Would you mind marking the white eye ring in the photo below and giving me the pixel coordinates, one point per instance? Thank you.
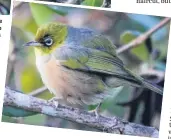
(48, 41)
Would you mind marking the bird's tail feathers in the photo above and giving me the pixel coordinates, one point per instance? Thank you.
(153, 87)
(146, 84)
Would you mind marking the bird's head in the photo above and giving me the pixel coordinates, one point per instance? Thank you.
(48, 37)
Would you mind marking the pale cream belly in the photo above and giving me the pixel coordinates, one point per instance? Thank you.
(72, 86)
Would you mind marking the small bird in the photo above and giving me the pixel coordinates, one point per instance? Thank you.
(81, 66)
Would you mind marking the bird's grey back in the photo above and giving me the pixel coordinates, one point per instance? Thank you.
(77, 36)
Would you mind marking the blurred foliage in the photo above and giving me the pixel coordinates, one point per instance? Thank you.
(94, 3)
(16, 112)
(5, 7)
(129, 36)
(121, 28)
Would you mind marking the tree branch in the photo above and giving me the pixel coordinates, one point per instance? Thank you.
(104, 124)
(143, 36)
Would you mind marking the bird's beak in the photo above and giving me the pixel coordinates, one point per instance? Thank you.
(33, 43)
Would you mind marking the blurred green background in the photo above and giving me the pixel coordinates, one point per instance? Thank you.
(148, 60)
(95, 3)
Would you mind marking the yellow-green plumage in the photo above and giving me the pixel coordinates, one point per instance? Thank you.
(59, 37)
(79, 65)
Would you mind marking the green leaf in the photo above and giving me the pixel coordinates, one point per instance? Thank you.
(8, 119)
(29, 74)
(38, 119)
(41, 13)
(45, 95)
(110, 103)
(107, 104)
(30, 79)
(16, 112)
(141, 50)
(96, 3)
(31, 26)
(60, 10)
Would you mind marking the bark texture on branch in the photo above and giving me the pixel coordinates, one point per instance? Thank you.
(104, 124)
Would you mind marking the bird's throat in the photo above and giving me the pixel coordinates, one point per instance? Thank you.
(38, 52)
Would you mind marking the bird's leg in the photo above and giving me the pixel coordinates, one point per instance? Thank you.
(96, 110)
(54, 101)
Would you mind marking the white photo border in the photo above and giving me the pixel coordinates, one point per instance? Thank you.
(10, 130)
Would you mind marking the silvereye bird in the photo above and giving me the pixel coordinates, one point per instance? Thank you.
(79, 65)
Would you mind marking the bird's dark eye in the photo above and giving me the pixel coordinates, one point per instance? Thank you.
(48, 41)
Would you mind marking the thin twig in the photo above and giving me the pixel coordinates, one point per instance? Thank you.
(38, 91)
(104, 124)
(144, 36)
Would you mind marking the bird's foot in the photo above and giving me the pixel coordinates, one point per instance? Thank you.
(96, 111)
(54, 101)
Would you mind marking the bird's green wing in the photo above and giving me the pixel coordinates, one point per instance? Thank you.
(98, 56)
(91, 60)
(102, 43)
